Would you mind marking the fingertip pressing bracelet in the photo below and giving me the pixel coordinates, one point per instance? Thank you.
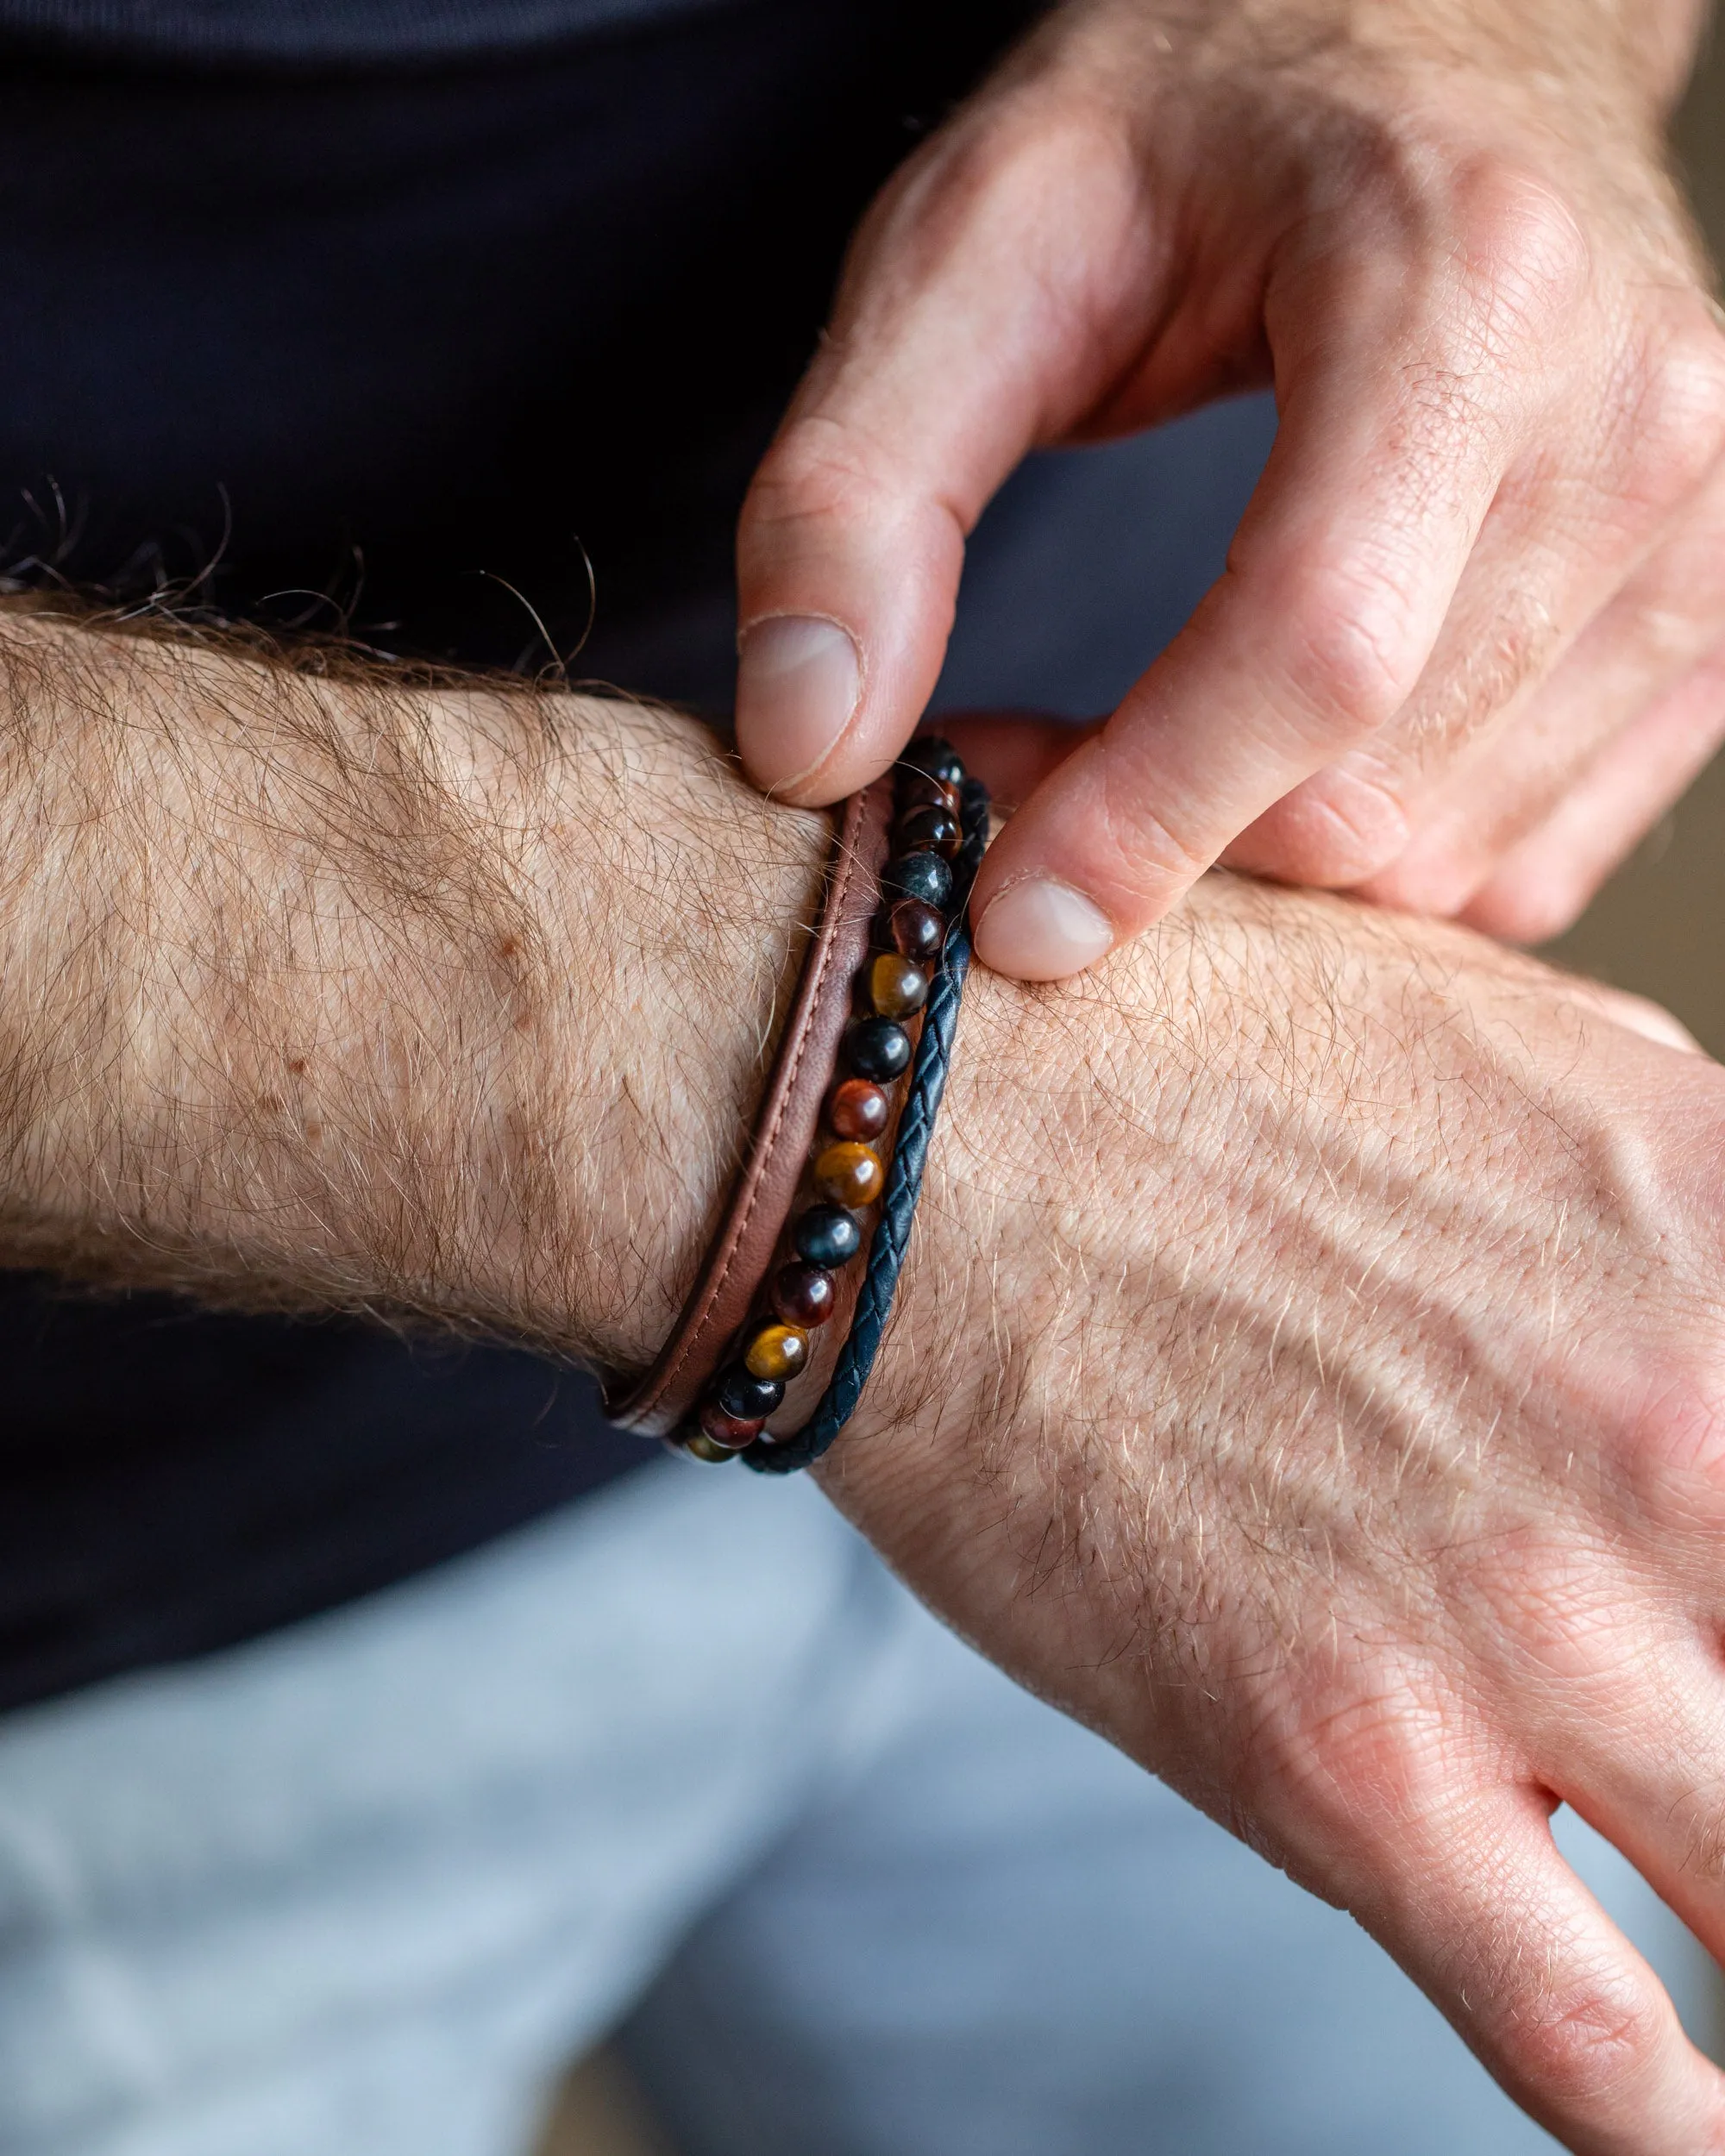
(775, 1343)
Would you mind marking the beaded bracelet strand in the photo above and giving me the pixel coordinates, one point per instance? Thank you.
(917, 969)
(904, 1178)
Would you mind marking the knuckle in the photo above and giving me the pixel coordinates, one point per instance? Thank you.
(1353, 647)
(1367, 1749)
(1679, 431)
(1589, 2038)
(1558, 1607)
(821, 469)
(1672, 1449)
(1522, 249)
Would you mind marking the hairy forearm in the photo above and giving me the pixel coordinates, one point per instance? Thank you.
(327, 992)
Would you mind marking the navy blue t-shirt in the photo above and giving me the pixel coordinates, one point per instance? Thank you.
(369, 303)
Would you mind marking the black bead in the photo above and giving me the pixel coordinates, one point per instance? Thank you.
(877, 1047)
(924, 876)
(744, 1396)
(827, 1235)
(973, 799)
(929, 831)
(938, 758)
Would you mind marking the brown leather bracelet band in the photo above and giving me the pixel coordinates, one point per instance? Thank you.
(661, 1399)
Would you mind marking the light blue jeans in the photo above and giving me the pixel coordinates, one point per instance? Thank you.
(685, 1756)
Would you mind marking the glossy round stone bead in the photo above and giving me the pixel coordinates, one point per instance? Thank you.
(928, 753)
(877, 1047)
(897, 986)
(916, 930)
(826, 1235)
(849, 1173)
(777, 1350)
(924, 876)
(804, 1295)
(732, 1431)
(700, 1446)
(929, 831)
(858, 1108)
(744, 1397)
(917, 790)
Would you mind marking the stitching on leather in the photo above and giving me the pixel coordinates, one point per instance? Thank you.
(827, 935)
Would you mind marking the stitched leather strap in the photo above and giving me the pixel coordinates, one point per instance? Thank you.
(660, 1401)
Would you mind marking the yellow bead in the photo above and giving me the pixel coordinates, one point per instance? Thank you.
(896, 986)
(777, 1351)
(703, 1448)
(850, 1174)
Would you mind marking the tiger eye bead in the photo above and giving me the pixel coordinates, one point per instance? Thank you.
(929, 831)
(778, 1351)
(804, 1295)
(896, 986)
(826, 1235)
(925, 876)
(700, 1446)
(744, 1397)
(850, 1175)
(877, 1047)
(917, 790)
(731, 1431)
(916, 930)
(858, 1109)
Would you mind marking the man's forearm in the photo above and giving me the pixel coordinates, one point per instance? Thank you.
(327, 991)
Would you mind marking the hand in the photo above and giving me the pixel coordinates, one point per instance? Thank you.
(1472, 639)
(1311, 1373)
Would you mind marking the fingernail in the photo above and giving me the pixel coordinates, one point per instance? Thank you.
(797, 683)
(1039, 930)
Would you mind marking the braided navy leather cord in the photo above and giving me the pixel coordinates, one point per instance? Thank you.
(904, 1177)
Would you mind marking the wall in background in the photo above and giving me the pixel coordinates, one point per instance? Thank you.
(1660, 926)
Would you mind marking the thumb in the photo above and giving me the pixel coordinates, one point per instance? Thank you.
(955, 347)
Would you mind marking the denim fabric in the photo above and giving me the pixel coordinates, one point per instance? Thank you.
(358, 1889)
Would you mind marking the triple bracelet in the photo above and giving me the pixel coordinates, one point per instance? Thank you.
(773, 1347)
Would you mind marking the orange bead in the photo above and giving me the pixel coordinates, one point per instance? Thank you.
(777, 1351)
(858, 1108)
(849, 1175)
(701, 1447)
(731, 1432)
(896, 986)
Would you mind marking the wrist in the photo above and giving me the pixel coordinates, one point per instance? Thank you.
(677, 906)
(340, 993)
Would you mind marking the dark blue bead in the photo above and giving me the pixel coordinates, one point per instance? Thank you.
(877, 1047)
(746, 1397)
(924, 876)
(938, 758)
(827, 1235)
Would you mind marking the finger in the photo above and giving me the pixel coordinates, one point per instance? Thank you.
(994, 293)
(1012, 752)
(1392, 447)
(1600, 566)
(1542, 884)
(1481, 1909)
(1664, 621)
(1651, 1783)
(1635, 1014)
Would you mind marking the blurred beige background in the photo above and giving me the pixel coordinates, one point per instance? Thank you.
(1658, 927)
